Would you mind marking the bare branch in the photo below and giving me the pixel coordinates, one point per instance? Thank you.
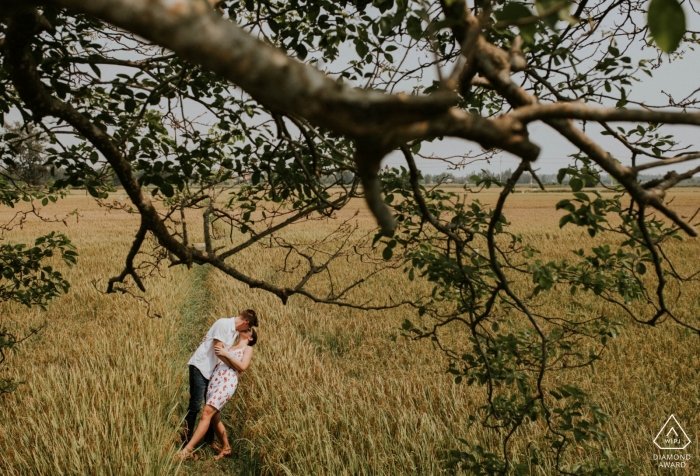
(207, 229)
(582, 111)
(129, 269)
(668, 161)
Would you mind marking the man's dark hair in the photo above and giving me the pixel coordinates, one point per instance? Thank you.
(250, 317)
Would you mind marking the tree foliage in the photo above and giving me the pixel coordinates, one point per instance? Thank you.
(27, 276)
(27, 162)
(264, 115)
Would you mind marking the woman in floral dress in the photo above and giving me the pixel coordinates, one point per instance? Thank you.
(222, 386)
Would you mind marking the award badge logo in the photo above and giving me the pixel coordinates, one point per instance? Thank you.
(672, 437)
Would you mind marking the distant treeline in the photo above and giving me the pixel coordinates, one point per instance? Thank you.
(526, 178)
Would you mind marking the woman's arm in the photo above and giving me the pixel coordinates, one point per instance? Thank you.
(221, 353)
(241, 365)
(223, 356)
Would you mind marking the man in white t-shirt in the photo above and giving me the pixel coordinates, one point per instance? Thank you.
(201, 365)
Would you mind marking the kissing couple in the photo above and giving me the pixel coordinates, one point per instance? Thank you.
(224, 354)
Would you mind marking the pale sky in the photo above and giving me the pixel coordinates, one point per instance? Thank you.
(679, 78)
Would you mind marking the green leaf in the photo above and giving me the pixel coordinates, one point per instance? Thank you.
(361, 48)
(414, 28)
(576, 184)
(565, 204)
(301, 51)
(387, 253)
(641, 269)
(560, 175)
(666, 24)
(95, 69)
(167, 190)
(528, 32)
(130, 105)
(513, 11)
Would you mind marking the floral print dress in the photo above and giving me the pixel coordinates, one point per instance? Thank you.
(223, 382)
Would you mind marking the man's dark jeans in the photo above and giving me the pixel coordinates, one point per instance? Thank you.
(198, 390)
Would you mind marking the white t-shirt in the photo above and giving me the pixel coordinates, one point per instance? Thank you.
(204, 357)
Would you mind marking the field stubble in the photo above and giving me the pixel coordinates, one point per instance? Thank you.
(331, 390)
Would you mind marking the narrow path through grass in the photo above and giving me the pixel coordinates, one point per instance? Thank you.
(197, 319)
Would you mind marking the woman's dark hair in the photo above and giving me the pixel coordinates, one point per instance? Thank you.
(253, 337)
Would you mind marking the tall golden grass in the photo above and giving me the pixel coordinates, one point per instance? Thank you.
(331, 390)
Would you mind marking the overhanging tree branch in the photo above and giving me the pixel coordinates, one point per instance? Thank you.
(191, 29)
(582, 111)
(20, 62)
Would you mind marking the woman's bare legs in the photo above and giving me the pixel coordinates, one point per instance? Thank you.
(207, 415)
(220, 431)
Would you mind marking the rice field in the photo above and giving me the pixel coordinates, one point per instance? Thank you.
(330, 391)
